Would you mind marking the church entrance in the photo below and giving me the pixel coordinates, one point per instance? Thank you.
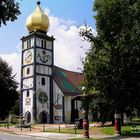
(27, 117)
(43, 117)
(74, 111)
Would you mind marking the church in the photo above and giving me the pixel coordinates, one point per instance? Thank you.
(47, 91)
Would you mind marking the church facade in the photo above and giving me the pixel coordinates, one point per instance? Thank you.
(47, 91)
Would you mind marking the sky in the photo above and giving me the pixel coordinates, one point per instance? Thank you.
(66, 17)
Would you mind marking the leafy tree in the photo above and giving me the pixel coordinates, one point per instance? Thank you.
(15, 108)
(9, 10)
(112, 64)
(8, 86)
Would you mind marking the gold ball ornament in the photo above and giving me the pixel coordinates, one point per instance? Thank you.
(38, 20)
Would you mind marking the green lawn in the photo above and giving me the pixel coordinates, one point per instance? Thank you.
(108, 130)
(125, 130)
(66, 130)
(4, 124)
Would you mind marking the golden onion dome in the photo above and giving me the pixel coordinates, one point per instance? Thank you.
(38, 20)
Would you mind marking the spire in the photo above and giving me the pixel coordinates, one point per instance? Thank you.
(38, 20)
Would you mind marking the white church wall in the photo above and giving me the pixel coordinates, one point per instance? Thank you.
(42, 87)
(43, 69)
(28, 71)
(57, 99)
(68, 108)
(28, 102)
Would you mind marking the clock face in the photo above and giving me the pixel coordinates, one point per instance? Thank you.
(44, 56)
(28, 57)
(28, 83)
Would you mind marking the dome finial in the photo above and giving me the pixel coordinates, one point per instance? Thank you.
(38, 20)
(38, 3)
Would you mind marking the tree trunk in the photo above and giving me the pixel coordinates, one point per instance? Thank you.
(113, 121)
(122, 119)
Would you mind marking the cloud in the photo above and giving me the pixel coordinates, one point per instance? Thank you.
(68, 46)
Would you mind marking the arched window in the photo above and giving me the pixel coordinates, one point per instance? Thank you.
(27, 95)
(28, 70)
(43, 117)
(28, 117)
(43, 81)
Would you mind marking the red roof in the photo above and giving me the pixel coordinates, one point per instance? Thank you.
(68, 81)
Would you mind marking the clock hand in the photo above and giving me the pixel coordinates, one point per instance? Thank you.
(29, 55)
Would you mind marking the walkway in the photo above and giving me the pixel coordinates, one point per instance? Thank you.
(37, 131)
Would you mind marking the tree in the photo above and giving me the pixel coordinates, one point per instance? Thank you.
(112, 64)
(9, 10)
(8, 86)
(15, 108)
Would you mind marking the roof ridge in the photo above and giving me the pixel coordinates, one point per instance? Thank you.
(68, 70)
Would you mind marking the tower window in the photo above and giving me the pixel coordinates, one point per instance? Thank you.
(49, 45)
(38, 42)
(32, 42)
(28, 43)
(27, 95)
(28, 70)
(43, 81)
(25, 45)
(43, 43)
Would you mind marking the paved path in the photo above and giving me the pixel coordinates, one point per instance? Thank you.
(37, 133)
(19, 137)
(57, 136)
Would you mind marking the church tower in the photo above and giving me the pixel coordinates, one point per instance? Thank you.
(36, 70)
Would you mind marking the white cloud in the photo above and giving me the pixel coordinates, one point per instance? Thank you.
(67, 46)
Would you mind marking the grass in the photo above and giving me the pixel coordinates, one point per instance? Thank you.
(125, 130)
(66, 131)
(5, 124)
(108, 130)
(136, 119)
